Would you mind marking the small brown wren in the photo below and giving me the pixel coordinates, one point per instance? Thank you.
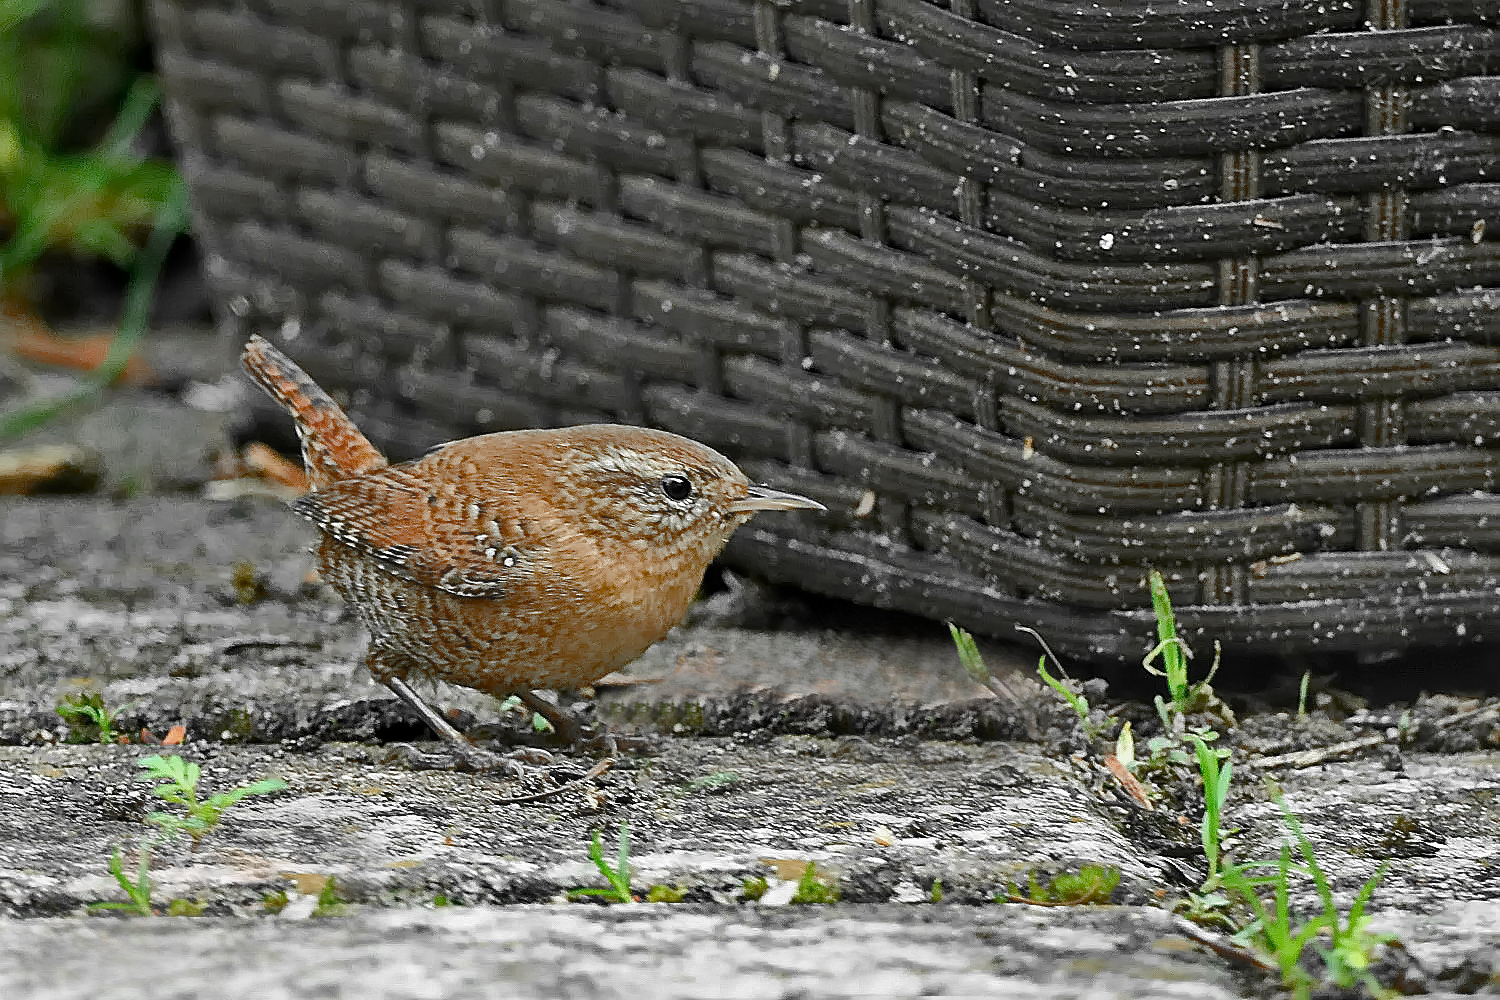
(512, 561)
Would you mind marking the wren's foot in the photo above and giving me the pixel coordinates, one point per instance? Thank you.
(589, 739)
(461, 754)
(518, 765)
(521, 764)
(607, 744)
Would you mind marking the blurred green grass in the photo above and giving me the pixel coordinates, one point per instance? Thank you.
(73, 101)
(75, 95)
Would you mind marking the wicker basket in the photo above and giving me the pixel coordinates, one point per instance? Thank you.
(1034, 294)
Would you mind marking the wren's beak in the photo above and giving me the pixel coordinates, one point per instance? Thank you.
(765, 498)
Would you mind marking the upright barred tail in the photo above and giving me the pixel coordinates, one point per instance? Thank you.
(332, 447)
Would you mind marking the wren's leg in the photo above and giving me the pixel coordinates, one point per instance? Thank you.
(467, 756)
(567, 727)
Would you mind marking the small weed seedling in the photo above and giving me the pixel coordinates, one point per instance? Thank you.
(1074, 699)
(330, 903)
(1345, 944)
(137, 890)
(618, 876)
(1090, 884)
(1215, 768)
(1178, 745)
(813, 888)
(88, 719)
(753, 888)
(1186, 698)
(1213, 763)
(179, 786)
(973, 664)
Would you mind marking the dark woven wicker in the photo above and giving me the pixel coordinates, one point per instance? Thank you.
(1034, 294)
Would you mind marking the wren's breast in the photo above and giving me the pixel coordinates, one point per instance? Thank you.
(548, 630)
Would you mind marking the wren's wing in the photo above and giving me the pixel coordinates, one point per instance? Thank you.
(393, 518)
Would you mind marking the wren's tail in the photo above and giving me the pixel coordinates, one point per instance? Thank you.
(332, 447)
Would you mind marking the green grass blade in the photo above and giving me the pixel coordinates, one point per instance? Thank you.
(1309, 857)
(1366, 893)
(171, 220)
(968, 654)
(621, 877)
(134, 112)
(1170, 647)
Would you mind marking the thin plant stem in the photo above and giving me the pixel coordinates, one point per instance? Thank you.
(170, 222)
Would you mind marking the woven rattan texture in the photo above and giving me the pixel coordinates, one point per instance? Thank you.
(1034, 294)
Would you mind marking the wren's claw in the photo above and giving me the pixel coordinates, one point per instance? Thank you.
(519, 765)
(461, 754)
(589, 739)
(607, 744)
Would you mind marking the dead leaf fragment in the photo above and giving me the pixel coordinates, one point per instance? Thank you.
(307, 883)
(1127, 781)
(57, 468)
(787, 869)
(263, 461)
(258, 470)
(32, 340)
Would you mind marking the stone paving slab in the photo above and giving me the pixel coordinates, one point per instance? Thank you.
(138, 600)
(588, 952)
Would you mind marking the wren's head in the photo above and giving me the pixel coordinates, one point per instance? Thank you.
(657, 490)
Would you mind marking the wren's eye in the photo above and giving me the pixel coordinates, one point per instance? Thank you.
(677, 488)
